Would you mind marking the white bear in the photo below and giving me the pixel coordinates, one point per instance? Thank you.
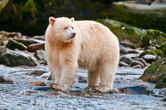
(86, 44)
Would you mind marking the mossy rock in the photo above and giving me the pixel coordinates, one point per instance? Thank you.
(12, 44)
(128, 44)
(142, 18)
(123, 31)
(126, 60)
(16, 58)
(151, 52)
(163, 47)
(162, 82)
(26, 42)
(154, 37)
(155, 71)
(159, 52)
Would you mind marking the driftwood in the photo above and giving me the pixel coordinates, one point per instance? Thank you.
(34, 47)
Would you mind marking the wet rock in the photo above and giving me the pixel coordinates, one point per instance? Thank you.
(164, 91)
(127, 44)
(135, 62)
(34, 47)
(44, 62)
(132, 55)
(125, 50)
(155, 73)
(142, 61)
(50, 77)
(17, 58)
(38, 83)
(37, 41)
(164, 99)
(149, 47)
(82, 79)
(137, 51)
(142, 89)
(36, 73)
(12, 44)
(137, 66)
(39, 37)
(13, 34)
(126, 60)
(40, 54)
(2, 49)
(123, 64)
(150, 58)
(147, 52)
(5, 81)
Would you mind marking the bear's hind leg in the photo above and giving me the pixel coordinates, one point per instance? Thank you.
(107, 73)
(93, 78)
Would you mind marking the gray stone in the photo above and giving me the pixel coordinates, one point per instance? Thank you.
(142, 61)
(150, 58)
(17, 58)
(126, 60)
(125, 50)
(39, 54)
(135, 62)
(123, 64)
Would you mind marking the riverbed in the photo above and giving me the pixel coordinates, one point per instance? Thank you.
(21, 96)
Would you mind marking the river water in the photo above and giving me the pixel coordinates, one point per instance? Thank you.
(20, 96)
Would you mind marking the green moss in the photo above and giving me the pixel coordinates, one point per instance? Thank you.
(123, 31)
(155, 72)
(125, 59)
(158, 52)
(26, 42)
(163, 47)
(154, 37)
(147, 52)
(12, 44)
(146, 19)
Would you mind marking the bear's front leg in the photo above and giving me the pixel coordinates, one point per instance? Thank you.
(67, 73)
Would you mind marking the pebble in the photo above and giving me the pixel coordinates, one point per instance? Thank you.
(82, 79)
(149, 58)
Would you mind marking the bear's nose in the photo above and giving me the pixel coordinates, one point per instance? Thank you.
(73, 35)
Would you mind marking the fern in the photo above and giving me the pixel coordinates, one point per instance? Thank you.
(3, 3)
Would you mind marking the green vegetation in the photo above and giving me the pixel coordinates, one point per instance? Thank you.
(146, 19)
(30, 17)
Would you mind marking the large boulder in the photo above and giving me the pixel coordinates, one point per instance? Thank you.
(156, 73)
(17, 58)
(124, 31)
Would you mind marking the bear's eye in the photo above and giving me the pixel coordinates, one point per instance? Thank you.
(66, 27)
(72, 27)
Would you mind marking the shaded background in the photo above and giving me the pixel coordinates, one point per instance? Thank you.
(30, 17)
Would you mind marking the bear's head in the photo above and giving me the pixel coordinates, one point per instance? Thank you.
(63, 29)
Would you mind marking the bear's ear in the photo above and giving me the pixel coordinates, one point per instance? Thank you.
(52, 20)
(72, 19)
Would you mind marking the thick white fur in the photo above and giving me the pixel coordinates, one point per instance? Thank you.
(94, 48)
